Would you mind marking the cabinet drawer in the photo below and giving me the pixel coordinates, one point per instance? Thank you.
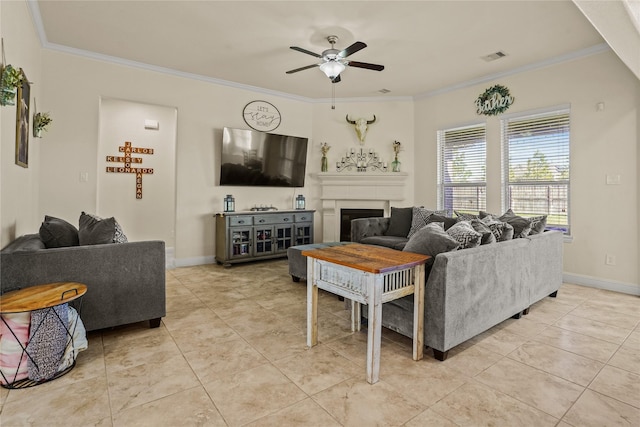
(304, 217)
(273, 219)
(240, 220)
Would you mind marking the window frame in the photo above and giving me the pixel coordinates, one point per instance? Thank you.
(441, 184)
(540, 115)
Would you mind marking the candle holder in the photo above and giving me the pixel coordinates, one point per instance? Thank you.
(361, 161)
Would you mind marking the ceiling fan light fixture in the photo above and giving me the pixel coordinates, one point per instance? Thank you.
(332, 69)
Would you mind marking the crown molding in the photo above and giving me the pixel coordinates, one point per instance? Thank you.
(37, 20)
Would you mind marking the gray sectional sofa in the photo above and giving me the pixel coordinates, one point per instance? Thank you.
(125, 281)
(468, 291)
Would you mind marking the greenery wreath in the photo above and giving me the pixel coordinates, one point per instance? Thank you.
(488, 94)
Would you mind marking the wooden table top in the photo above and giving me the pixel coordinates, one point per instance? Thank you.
(40, 296)
(372, 259)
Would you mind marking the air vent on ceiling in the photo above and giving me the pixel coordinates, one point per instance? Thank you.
(384, 91)
(493, 56)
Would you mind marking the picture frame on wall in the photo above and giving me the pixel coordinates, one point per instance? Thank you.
(22, 122)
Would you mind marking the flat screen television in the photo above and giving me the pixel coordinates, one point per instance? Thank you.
(252, 158)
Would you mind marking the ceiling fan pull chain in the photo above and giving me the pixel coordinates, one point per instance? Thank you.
(333, 97)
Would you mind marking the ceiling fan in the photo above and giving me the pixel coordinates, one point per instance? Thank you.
(334, 61)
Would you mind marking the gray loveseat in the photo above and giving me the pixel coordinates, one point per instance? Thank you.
(125, 281)
(471, 290)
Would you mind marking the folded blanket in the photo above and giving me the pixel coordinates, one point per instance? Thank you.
(76, 343)
(47, 341)
(13, 358)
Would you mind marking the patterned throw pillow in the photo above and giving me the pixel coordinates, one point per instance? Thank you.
(501, 230)
(538, 224)
(421, 218)
(521, 226)
(464, 233)
(465, 216)
(487, 235)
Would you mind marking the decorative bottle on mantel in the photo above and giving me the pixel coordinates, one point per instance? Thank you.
(395, 165)
(324, 164)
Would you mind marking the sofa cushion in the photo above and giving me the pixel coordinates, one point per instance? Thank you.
(431, 240)
(393, 242)
(28, 242)
(420, 218)
(464, 233)
(400, 222)
(487, 235)
(58, 233)
(96, 231)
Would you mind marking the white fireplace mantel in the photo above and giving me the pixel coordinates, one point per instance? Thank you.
(368, 190)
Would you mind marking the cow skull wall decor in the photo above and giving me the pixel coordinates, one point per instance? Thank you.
(361, 126)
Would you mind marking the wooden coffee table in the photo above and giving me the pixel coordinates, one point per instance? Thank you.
(369, 275)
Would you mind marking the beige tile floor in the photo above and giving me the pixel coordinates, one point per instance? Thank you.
(231, 351)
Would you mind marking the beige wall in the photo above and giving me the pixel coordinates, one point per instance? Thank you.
(604, 218)
(19, 186)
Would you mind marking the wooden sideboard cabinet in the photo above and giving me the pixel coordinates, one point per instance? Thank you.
(255, 235)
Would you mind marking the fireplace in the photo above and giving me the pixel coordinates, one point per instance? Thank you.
(346, 215)
(357, 191)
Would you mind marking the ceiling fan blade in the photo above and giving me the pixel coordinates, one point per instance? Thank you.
(308, 52)
(336, 79)
(302, 69)
(366, 65)
(352, 49)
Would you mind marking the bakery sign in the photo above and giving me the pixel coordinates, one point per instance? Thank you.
(495, 100)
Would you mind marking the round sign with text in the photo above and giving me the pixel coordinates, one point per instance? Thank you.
(261, 115)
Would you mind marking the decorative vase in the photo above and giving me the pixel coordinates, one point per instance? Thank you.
(395, 165)
(37, 133)
(324, 166)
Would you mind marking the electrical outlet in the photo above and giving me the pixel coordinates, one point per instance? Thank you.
(84, 177)
(610, 259)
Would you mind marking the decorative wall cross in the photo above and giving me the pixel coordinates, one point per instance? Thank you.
(127, 149)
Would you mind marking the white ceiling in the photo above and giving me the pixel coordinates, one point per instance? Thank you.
(425, 46)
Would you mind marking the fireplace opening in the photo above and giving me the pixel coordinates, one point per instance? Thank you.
(346, 215)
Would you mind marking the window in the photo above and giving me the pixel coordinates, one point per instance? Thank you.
(536, 166)
(462, 183)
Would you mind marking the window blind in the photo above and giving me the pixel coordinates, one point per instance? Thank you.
(462, 154)
(536, 166)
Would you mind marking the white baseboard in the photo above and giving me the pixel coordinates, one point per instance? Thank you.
(189, 262)
(594, 282)
(170, 258)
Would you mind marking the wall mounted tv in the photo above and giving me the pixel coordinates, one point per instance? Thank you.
(252, 158)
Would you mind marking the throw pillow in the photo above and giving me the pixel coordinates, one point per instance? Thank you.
(447, 221)
(465, 216)
(399, 222)
(96, 231)
(521, 226)
(501, 230)
(431, 240)
(58, 233)
(464, 233)
(538, 224)
(420, 217)
(487, 235)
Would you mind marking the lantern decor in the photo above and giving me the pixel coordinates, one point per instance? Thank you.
(300, 202)
(229, 203)
(324, 165)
